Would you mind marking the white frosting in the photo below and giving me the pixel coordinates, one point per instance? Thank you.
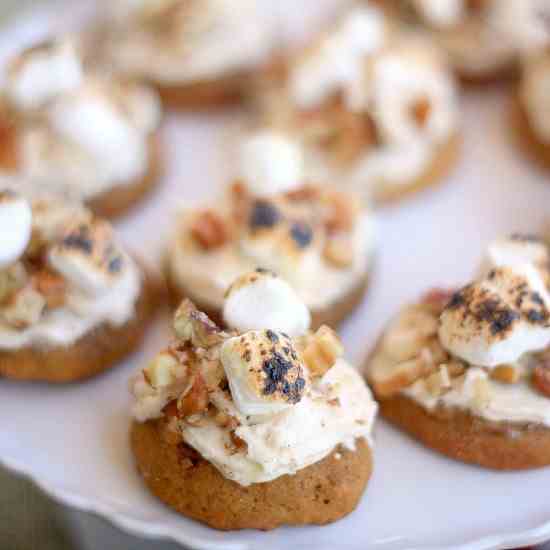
(506, 402)
(338, 59)
(229, 37)
(294, 438)
(15, 228)
(266, 303)
(534, 94)
(208, 275)
(80, 314)
(271, 163)
(44, 74)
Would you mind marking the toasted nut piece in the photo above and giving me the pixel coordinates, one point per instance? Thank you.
(439, 382)
(541, 379)
(192, 325)
(389, 378)
(455, 368)
(482, 393)
(224, 420)
(24, 308)
(322, 351)
(195, 401)
(162, 371)
(338, 251)
(341, 212)
(420, 111)
(239, 444)
(9, 155)
(52, 286)
(507, 374)
(209, 230)
(12, 278)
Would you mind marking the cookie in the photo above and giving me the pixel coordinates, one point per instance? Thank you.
(95, 352)
(462, 436)
(182, 479)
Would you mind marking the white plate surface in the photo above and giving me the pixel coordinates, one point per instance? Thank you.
(73, 440)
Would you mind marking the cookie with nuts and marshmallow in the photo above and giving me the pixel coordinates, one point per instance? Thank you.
(62, 273)
(481, 351)
(255, 400)
(319, 239)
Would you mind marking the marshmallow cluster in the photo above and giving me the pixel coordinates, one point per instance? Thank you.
(15, 227)
(504, 314)
(261, 300)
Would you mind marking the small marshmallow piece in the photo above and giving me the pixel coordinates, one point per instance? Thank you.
(87, 257)
(264, 372)
(41, 74)
(15, 227)
(261, 300)
(498, 319)
(271, 164)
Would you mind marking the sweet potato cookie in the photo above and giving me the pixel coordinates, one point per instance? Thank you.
(180, 477)
(468, 438)
(93, 353)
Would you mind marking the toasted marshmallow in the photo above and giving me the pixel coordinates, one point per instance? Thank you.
(15, 227)
(92, 120)
(271, 163)
(338, 58)
(262, 300)
(87, 257)
(441, 13)
(264, 372)
(498, 319)
(42, 73)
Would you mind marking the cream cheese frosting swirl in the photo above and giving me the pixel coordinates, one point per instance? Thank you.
(67, 279)
(79, 132)
(286, 406)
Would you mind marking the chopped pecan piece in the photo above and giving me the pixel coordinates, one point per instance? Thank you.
(541, 378)
(192, 325)
(322, 351)
(420, 111)
(209, 230)
(52, 286)
(195, 401)
(507, 374)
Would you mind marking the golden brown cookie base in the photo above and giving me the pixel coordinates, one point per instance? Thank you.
(468, 438)
(443, 162)
(95, 352)
(319, 494)
(120, 198)
(332, 315)
(227, 90)
(527, 140)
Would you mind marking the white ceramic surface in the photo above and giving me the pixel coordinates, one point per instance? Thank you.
(73, 440)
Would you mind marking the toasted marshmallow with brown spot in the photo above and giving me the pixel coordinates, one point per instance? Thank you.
(43, 72)
(15, 227)
(260, 299)
(498, 319)
(87, 256)
(264, 371)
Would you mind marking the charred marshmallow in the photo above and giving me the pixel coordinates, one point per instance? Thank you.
(264, 372)
(15, 227)
(262, 300)
(498, 319)
(87, 256)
